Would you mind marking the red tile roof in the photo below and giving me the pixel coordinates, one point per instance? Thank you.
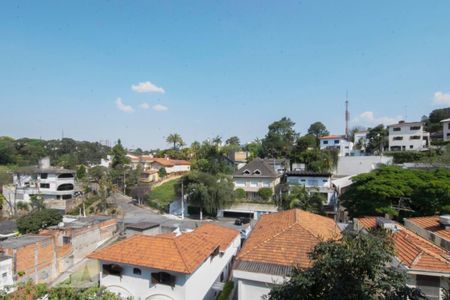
(412, 250)
(286, 238)
(332, 136)
(183, 253)
(431, 224)
(171, 162)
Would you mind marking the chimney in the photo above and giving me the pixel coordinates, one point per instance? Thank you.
(387, 224)
(444, 220)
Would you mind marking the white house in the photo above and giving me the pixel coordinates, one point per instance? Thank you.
(50, 183)
(445, 130)
(255, 175)
(172, 166)
(360, 141)
(338, 142)
(319, 182)
(187, 266)
(277, 243)
(6, 276)
(408, 136)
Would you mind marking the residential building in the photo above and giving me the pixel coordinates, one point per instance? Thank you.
(6, 273)
(277, 243)
(255, 175)
(407, 136)
(427, 265)
(149, 176)
(172, 166)
(42, 257)
(238, 158)
(436, 229)
(144, 161)
(360, 140)
(446, 130)
(336, 142)
(55, 185)
(253, 210)
(190, 265)
(279, 165)
(316, 182)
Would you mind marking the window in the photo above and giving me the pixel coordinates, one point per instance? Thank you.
(4, 275)
(44, 175)
(257, 172)
(163, 278)
(247, 172)
(67, 197)
(324, 180)
(411, 146)
(429, 285)
(398, 138)
(112, 269)
(45, 185)
(396, 129)
(66, 175)
(137, 271)
(448, 126)
(65, 187)
(414, 128)
(336, 141)
(67, 240)
(325, 142)
(414, 137)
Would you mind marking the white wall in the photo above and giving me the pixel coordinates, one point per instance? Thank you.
(446, 131)
(353, 165)
(345, 147)
(6, 268)
(406, 134)
(255, 285)
(254, 184)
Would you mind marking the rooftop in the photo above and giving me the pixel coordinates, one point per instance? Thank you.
(432, 224)
(285, 239)
(332, 136)
(141, 225)
(8, 226)
(36, 170)
(405, 123)
(413, 251)
(259, 168)
(182, 254)
(308, 173)
(445, 120)
(21, 241)
(171, 162)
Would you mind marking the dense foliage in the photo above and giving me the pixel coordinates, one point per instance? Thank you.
(265, 193)
(39, 219)
(65, 152)
(419, 192)
(300, 197)
(433, 121)
(280, 138)
(355, 267)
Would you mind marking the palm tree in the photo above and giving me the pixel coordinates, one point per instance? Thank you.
(175, 139)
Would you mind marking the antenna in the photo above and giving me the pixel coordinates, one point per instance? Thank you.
(347, 115)
(406, 113)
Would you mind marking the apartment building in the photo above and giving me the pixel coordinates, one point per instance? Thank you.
(336, 142)
(446, 130)
(408, 136)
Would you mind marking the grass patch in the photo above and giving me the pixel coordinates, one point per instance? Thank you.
(162, 195)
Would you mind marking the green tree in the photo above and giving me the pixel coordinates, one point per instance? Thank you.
(240, 193)
(37, 220)
(81, 172)
(265, 193)
(318, 129)
(354, 267)
(255, 149)
(299, 197)
(176, 140)
(234, 140)
(377, 139)
(119, 156)
(162, 173)
(280, 138)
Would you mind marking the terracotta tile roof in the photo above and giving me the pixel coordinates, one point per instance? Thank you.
(332, 136)
(413, 251)
(431, 224)
(223, 235)
(183, 253)
(285, 238)
(170, 162)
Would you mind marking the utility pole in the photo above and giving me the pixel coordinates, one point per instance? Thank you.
(182, 199)
(124, 185)
(347, 116)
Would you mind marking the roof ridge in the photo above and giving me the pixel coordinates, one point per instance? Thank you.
(181, 255)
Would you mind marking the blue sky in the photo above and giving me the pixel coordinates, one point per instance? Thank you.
(207, 68)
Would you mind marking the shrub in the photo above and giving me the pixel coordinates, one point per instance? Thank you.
(239, 194)
(265, 193)
(38, 220)
(227, 289)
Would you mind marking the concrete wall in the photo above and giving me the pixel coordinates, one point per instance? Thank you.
(353, 165)
(6, 267)
(446, 131)
(406, 134)
(248, 289)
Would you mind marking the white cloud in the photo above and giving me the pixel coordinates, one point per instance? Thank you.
(441, 98)
(123, 107)
(159, 107)
(144, 105)
(147, 87)
(368, 118)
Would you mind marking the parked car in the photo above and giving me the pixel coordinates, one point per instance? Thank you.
(241, 221)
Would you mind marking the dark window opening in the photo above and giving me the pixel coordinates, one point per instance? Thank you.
(67, 240)
(336, 141)
(325, 142)
(67, 197)
(65, 187)
(398, 138)
(44, 175)
(163, 278)
(396, 129)
(112, 269)
(415, 137)
(414, 128)
(44, 185)
(137, 271)
(66, 175)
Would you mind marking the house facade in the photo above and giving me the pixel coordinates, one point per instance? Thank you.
(409, 136)
(427, 265)
(255, 175)
(54, 185)
(275, 245)
(6, 273)
(446, 130)
(315, 182)
(191, 265)
(336, 142)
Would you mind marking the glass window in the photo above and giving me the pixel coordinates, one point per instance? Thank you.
(325, 142)
(44, 175)
(398, 138)
(414, 128)
(44, 185)
(396, 129)
(163, 278)
(137, 271)
(336, 141)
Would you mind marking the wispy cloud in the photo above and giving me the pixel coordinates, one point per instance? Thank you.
(441, 98)
(368, 118)
(159, 107)
(147, 87)
(144, 105)
(123, 107)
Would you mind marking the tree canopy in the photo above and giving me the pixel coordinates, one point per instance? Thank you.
(176, 140)
(377, 139)
(38, 219)
(424, 192)
(317, 129)
(354, 267)
(280, 138)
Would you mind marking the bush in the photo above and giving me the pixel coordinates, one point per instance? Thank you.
(265, 193)
(227, 289)
(240, 194)
(38, 220)
(406, 156)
